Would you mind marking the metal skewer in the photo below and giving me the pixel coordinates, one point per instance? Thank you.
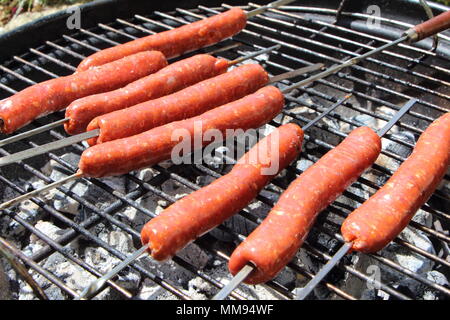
(305, 291)
(32, 152)
(28, 195)
(244, 272)
(71, 140)
(98, 283)
(271, 5)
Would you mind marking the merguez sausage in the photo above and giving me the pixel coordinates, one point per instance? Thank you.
(381, 218)
(153, 146)
(199, 212)
(177, 41)
(170, 79)
(276, 240)
(183, 104)
(55, 94)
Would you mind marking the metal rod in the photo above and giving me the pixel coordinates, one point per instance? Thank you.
(77, 146)
(305, 291)
(254, 54)
(343, 65)
(295, 73)
(28, 195)
(274, 4)
(19, 156)
(237, 279)
(326, 112)
(97, 284)
(396, 117)
(32, 132)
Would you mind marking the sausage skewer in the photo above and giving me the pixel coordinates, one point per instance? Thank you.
(167, 80)
(175, 42)
(180, 105)
(266, 251)
(385, 214)
(199, 212)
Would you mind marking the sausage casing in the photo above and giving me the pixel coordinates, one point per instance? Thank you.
(172, 78)
(153, 146)
(204, 209)
(186, 103)
(176, 41)
(55, 94)
(381, 218)
(276, 240)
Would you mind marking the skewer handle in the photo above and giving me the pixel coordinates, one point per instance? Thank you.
(430, 27)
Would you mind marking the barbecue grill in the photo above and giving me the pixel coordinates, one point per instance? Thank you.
(73, 235)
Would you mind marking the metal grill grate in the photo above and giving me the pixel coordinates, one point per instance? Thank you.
(307, 35)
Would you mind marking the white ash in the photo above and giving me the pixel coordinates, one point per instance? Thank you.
(146, 174)
(175, 189)
(150, 290)
(104, 261)
(303, 164)
(28, 211)
(116, 183)
(47, 228)
(438, 278)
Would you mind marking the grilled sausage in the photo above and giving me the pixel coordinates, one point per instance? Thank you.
(206, 208)
(276, 240)
(177, 41)
(153, 146)
(183, 104)
(381, 218)
(55, 94)
(170, 79)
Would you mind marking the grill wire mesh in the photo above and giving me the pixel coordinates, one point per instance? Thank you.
(380, 85)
